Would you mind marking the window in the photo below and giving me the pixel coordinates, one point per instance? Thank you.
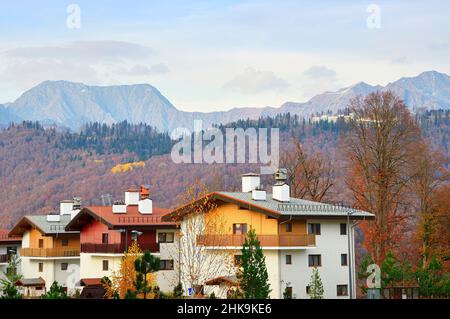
(105, 265)
(342, 290)
(307, 290)
(288, 259)
(65, 242)
(237, 260)
(343, 229)
(314, 229)
(105, 238)
(41, 243)
(41, 267)
(64, 266)
(289, 228)
(239, 229)
(166, 237)
(344, 260)
(166, 264)
(315, 260)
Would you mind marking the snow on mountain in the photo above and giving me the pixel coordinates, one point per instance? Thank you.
(71, 104)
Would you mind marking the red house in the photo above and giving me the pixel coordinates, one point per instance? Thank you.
(107, 231)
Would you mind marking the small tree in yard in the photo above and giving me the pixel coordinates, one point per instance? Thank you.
(56, 292)
(121, 283)
(178, 291)
(10, 277)
(146, 265)
(254, 277)
(315, 285)
(433, 282)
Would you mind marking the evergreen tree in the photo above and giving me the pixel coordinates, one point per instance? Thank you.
(395, 272)
(315, 285)
(178, 291)
(433, 281)
(56, 292)
(145, 265)
(254, 278)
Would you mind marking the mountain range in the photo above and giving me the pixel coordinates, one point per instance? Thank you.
(71, 105)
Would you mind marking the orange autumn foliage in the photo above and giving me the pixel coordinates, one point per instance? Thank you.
(123, 279)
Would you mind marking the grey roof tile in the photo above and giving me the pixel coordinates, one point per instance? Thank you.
(299, 207)
(51, 227)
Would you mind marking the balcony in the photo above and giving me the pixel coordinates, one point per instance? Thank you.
(51, 252)
(93, 248)
(301, 240)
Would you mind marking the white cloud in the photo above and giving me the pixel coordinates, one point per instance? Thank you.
(255, 81)
(320, 72)
(401, 60)
(86, 51)
(143, 70)
(29, 73)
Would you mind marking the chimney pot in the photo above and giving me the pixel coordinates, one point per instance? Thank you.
(250, 182)
(132, 197)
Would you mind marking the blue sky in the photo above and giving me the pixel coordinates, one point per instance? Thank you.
(215, 55)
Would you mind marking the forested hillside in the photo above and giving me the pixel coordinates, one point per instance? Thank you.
(39, 167)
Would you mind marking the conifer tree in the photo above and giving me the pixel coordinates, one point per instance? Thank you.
(315, 285)
(254, 278)
(145, 265)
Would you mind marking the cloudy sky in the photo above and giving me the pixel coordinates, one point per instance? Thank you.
(215, 55)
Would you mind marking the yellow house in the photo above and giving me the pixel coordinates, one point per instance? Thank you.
(296, 235)
(48, 252)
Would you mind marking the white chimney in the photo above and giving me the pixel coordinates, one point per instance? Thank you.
(119, 208)
(280, 190)
(258, 194)
(65, 207)
(132, 197)
(145, 206)
(250, 182)
(53, 218)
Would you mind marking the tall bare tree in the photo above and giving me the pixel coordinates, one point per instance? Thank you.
(310, 176)
(200, 254)
(430, 174)
(379, 149)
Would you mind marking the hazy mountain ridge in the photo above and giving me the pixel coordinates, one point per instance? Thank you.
(71, 104)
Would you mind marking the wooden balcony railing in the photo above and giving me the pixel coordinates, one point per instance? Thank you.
(51, 252)
(301, 240)
(10, 238)
(115, 248)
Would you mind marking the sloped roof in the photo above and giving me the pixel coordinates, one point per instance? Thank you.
(5, 238)
(223, 280)
(295, 207)
(41, 223)
(91, 281)
(30, 282)
(129, 219)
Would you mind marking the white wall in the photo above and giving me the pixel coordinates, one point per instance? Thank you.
(91, 265)
(330, 245)
(52, 271)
